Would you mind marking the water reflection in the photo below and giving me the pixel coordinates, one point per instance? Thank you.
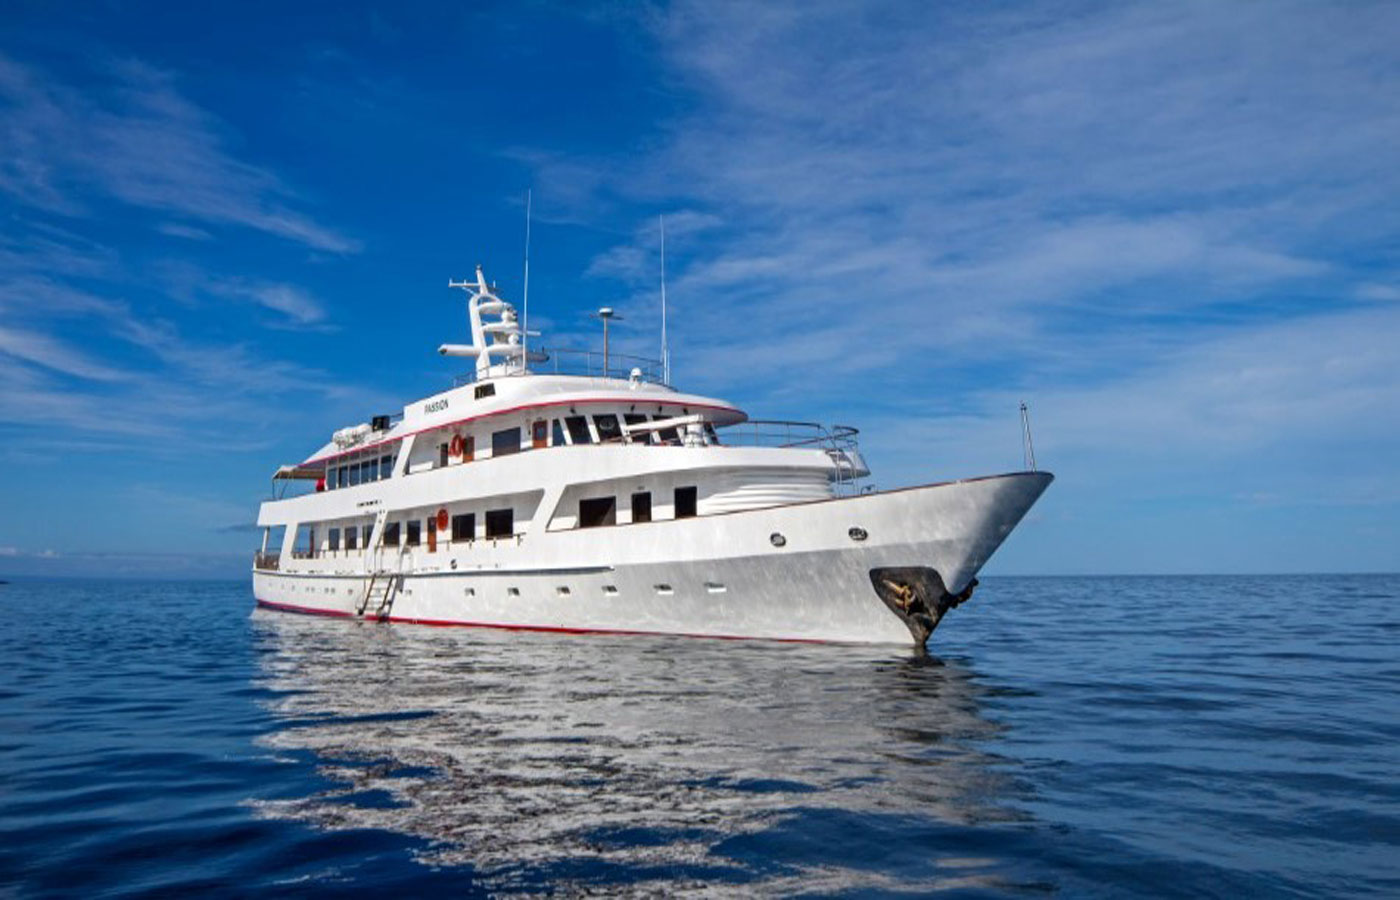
(626, 761)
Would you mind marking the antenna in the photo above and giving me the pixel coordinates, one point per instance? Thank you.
(1027, 446)
(525, 331)
(607, 315)
(665, 349)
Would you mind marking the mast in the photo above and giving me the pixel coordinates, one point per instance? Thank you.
(525, 331)
(665, 348)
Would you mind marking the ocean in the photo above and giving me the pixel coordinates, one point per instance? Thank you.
(1081, 737)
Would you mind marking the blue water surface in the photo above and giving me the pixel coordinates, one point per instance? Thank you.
(1075, 736)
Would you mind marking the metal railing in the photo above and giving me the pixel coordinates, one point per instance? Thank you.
(269, 562)
(839, 442)
(589, 363)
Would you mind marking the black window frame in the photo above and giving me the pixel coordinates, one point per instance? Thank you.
(578, 430)
(614, 427)
(687, 502)
(464, 527)
(413, 533)
(597, 512)
(391, 534)
(494, 518)
(485, 390)
(333, 539)
(641, 512)
(501, 439)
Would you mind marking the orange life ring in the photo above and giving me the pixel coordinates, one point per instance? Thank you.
(458, 445)
(442, 520)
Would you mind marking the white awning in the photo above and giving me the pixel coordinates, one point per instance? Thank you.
(307, 473)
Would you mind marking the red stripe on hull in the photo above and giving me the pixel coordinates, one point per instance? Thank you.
(553, 629)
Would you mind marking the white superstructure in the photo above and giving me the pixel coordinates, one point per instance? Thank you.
(611, 502)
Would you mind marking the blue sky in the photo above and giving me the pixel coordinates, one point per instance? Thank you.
(1171, 228)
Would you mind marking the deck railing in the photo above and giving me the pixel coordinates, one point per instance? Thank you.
(269, 562)
(589, 363)
(839, 442)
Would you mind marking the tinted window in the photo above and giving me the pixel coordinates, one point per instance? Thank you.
(641, 507)
(685, 502)
(500, 523)
(351, 534)
(608, 428)
(442, 455)
(485, 390)
(342, 477)
(637, 419)
(464, 527)
(415, 532)
(597, 511)
(504, 443)
(386, 466)
(354, 474)
(333, 538)
(391, 534)
(558, 436)
(668, 435)
(578, 430)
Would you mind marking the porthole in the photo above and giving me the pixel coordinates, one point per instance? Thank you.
(563, 591)
(665, 590)
(857, 533)
(470, 592)
(777, 540)
(610, 590)
(512, 592)
(714, 587)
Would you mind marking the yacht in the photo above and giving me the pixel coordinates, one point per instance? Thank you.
(563, 491)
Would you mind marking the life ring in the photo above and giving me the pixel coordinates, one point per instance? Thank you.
(442, 520)
(458, 445)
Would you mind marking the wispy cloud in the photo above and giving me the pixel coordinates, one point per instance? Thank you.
(136, 139)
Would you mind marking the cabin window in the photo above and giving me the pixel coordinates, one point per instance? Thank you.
(597, 511)
(539, 434)
(608, 428)
(354, 475)
(557, 438)
(371, 471)
(667, 435)
(305, 544)
(685, 502)
(342, 477)
(391, 534)
(710, 433)
(506, 442)
(415, 533)
(485, 390)
(333, 539)
(365, 532)
(273, 535)
(351, 535)
(386, 466)
(500, 523)
(442, 455)
(637, 419)
(641, 506)
(578, 430)
(464, 527)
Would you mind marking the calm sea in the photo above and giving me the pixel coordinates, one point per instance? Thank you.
(1082, 736)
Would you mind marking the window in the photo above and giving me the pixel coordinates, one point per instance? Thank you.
(578, 430)
(391, 534)
(342, 477)
(464, 527)
(485, 390)
(386, 466)
(668, 435)
(305, 544)
(597, 511)
(539, 434)
(365, 532)
(273, 536)
(637, 419)
(500, 523)
(351, 534)
(685, 502)
(333, 539)
(558, 436)
(504, 443)
(608, 429)
(641, 506)
(354, 475)
(415, 533)
(368, 471)
(710, 433)
(442, 455)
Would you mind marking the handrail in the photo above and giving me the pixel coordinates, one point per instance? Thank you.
(784, 433)
(575, 361)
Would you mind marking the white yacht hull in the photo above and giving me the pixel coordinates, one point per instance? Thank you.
(796, 572)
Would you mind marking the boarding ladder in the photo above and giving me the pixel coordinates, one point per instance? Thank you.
(384, 582)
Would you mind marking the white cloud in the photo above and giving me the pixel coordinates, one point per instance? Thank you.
(136, 139)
